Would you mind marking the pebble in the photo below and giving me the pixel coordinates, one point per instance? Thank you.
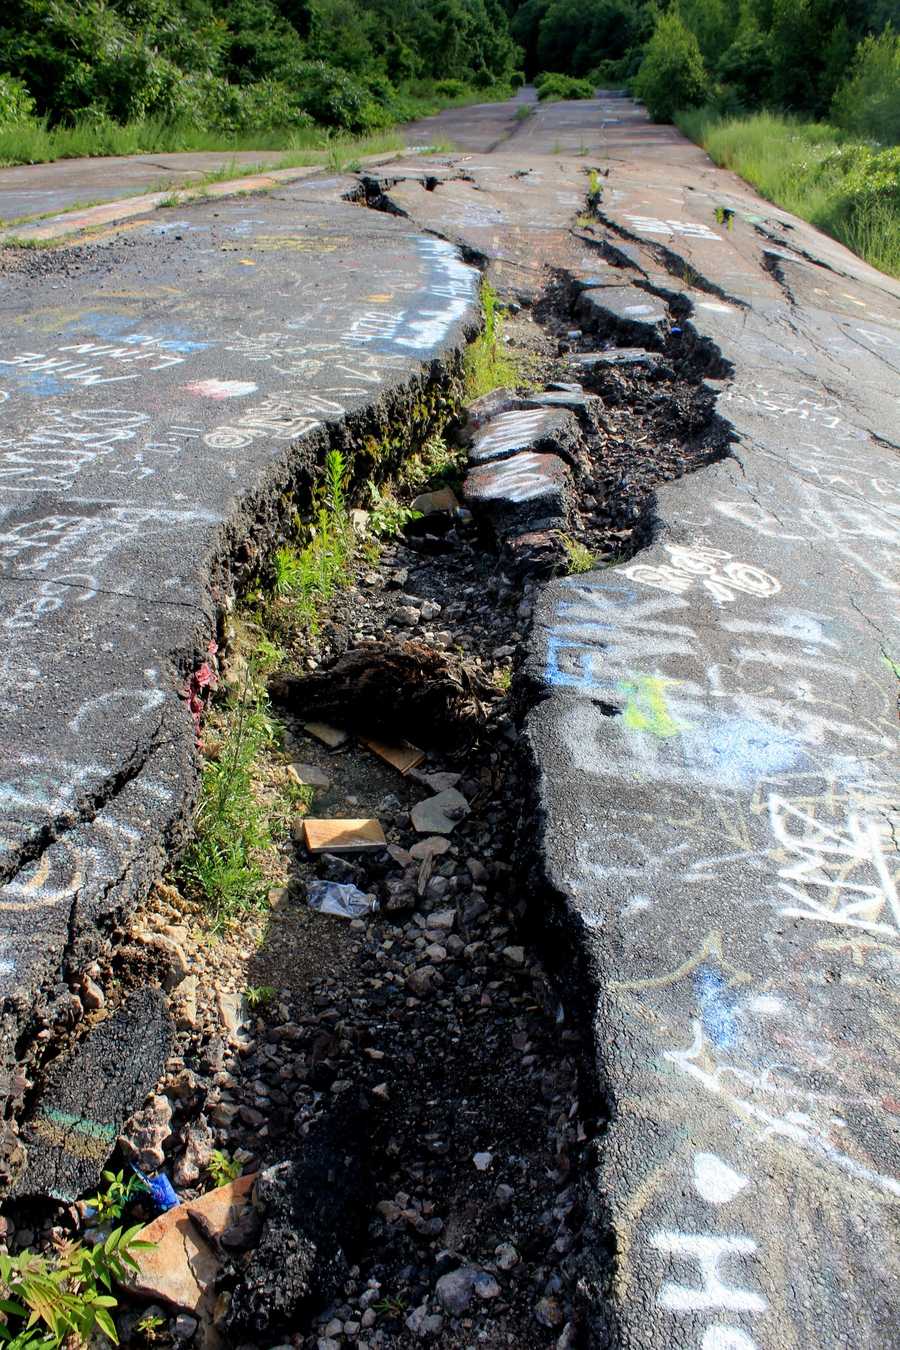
(440, 814)
(486, 1286)
(548, 1312)
(482, 1161)
(515, 955)
(506, 1255)
(184, 1326)
(456, 1289)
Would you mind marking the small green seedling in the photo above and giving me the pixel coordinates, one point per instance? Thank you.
(258, 996)
(221, 1168)
(579, 558)
(115, 1199)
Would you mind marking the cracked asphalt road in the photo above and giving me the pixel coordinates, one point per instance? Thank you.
(716, 752)
(164, 390)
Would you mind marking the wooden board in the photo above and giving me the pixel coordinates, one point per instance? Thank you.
(400, 757)
(342, 836)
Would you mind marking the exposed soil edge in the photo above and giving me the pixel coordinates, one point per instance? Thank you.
(38, 1023)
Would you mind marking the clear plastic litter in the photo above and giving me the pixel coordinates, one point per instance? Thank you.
(334, 897)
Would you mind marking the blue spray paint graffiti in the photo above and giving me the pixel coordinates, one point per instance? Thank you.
(716, 1006)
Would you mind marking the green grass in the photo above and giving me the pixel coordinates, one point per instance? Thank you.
(222, 867)
(305, 578)
(848, 189)
(35, 142)
(487, 363)
(579, 558)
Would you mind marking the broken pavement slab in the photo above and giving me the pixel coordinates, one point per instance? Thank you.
(90, 1093)
(625, 312)
(163, 500)
(527, 492)
(440, 814)
(545, 429)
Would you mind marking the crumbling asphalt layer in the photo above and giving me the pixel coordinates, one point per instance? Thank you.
(166, 393)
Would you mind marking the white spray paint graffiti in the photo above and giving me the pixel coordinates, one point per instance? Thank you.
(836, 874)
(689, 229)
(719, 574)
(519, 479)
(509, 431)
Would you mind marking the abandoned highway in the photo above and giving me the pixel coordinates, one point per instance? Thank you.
(615, 1062)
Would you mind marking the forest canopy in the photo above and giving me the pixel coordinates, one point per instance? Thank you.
(235, 64)
(355, 65)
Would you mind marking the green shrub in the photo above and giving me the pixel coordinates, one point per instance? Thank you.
(552, 86)
(451, 88)
(868, 101)
(16, 104)
(672, 73)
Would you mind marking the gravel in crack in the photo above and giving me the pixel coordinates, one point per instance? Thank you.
(432, 1018)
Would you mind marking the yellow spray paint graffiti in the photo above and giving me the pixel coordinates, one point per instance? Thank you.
(647, 709)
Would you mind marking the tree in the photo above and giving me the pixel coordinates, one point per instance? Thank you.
(672, 73)
(868, 101)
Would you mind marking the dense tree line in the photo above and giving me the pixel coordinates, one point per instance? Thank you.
(241, 63)
(812, 57)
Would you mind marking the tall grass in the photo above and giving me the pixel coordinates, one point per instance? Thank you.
(36, 143)
(33, 141)
(846, 187)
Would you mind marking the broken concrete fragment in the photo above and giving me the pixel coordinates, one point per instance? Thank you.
(429, 503)
(331, 736)
(429, 848)
(480, 411)
(617, 356)
(343, 836)
(535, 428)
(625, 312)
(181, 1266)
(89, 1095)
(309, 775)
(440, 814)
(529, 491)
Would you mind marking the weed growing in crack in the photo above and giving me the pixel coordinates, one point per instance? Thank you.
(222, 1168)
(578, 558)
(387, 516)
(221, 867)
(304, 579)
(487, 365)
(259, 996)
(47, 1302)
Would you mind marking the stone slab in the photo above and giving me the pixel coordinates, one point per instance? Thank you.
(626, 312)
